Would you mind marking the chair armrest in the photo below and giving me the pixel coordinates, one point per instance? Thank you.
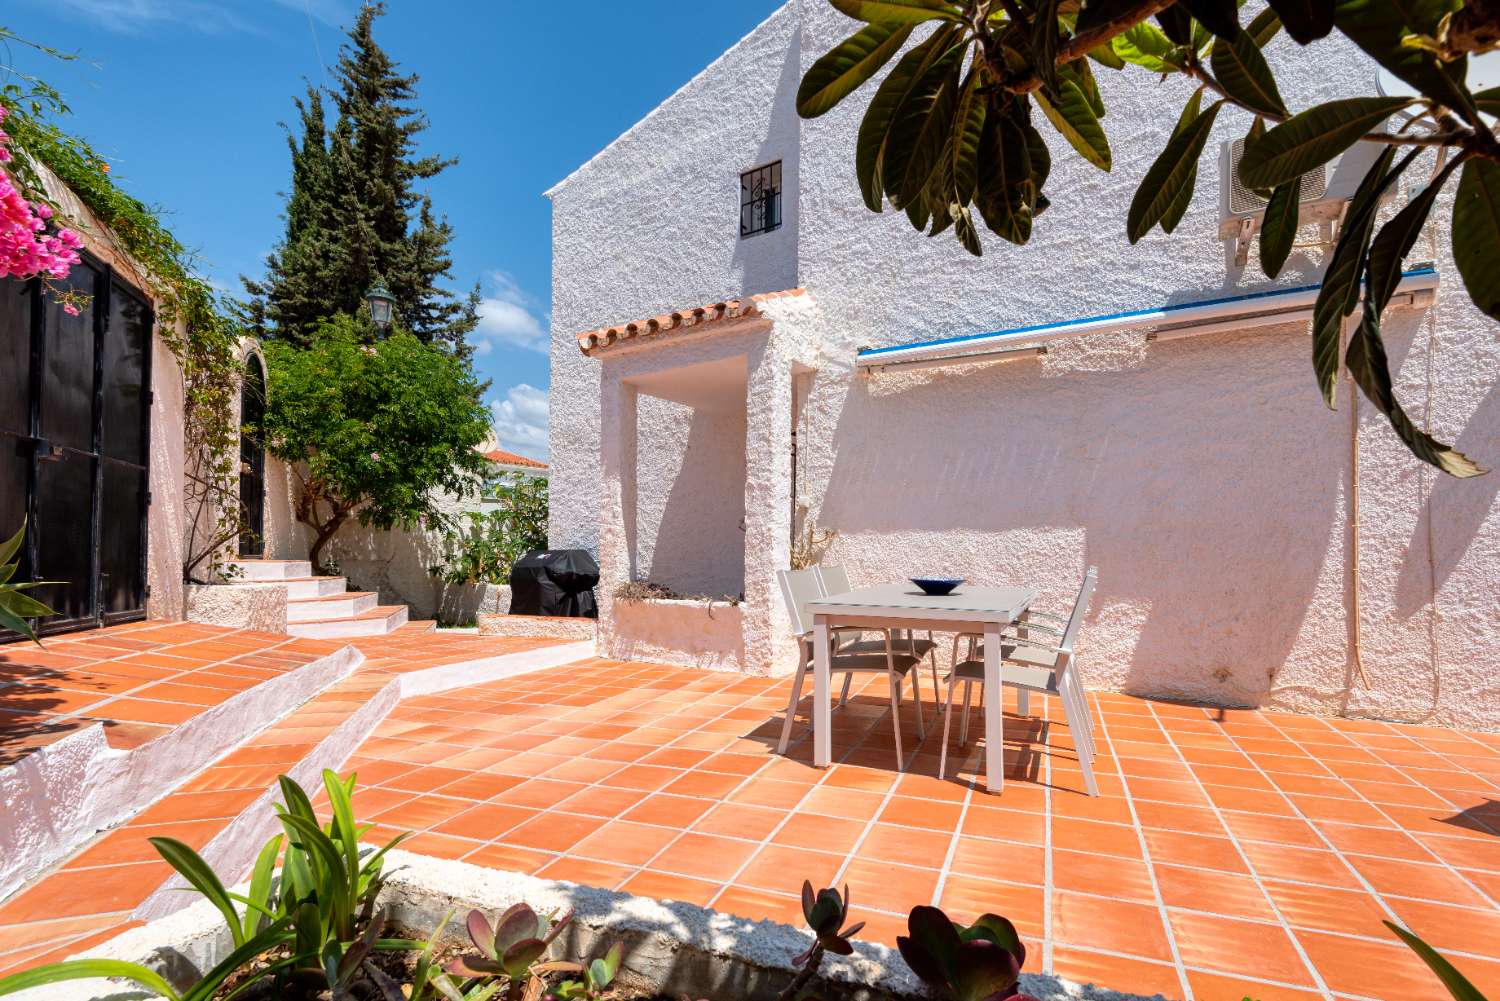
(1030, 612)
(1038, 627)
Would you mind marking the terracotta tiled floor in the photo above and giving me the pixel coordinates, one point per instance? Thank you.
(1230, 854)
(139, 680)
(89, 897)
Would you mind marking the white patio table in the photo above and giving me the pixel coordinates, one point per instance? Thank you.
(986, 610)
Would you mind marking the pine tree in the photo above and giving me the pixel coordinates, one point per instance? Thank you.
(354, 216)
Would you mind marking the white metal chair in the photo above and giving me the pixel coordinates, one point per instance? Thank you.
(799, 587)
(835, 580)
(1031, 666)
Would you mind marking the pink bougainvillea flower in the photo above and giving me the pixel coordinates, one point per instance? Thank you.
(27, 248)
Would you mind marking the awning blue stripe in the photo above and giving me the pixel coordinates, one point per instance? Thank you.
(1103, 318)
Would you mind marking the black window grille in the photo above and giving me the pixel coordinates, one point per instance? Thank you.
(760, 200)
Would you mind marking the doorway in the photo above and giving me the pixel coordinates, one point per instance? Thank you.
(75, 405)
(253, 459)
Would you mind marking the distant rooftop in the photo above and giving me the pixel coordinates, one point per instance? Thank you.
(504, 458)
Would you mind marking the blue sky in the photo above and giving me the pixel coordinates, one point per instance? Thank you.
(186, 97)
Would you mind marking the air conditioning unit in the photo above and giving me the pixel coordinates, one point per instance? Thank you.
(1326, 191)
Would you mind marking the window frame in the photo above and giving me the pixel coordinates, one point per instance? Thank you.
(760, 207)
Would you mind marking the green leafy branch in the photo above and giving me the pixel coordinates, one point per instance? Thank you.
(949, 136)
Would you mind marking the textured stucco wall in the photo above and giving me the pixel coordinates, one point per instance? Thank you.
(690, 485)
(652, 224)
(1203, 476)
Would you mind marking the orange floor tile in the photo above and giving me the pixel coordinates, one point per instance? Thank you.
(1231, 854)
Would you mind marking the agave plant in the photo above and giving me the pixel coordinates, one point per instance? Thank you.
(514, 950)
(981, 962)
(1457, 984)
(15, 607)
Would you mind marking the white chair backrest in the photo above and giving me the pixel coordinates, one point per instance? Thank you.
(834, 577)
(798, 587)
(1075, 620)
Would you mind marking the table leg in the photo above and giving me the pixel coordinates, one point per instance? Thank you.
(822, 714)
(994, 715)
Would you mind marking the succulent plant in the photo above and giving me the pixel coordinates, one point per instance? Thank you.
(514, 948)
(597, 976)
(980, 962)
(826, 911)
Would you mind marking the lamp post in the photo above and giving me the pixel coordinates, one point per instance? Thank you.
(381, 302)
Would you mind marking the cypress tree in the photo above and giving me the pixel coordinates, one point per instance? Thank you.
(354, 216)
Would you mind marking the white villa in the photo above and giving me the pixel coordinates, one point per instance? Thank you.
(1254, 549)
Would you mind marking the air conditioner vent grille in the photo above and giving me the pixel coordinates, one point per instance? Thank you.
(1243, 201)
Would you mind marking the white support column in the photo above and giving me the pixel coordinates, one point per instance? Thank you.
(768, 509)
(617, 503)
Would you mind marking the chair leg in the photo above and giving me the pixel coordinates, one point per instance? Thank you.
(895, 680)
(791, 706)
(963, 727)
(916, 700)
(844, 695)
(947, 723)
(1071, 714)
(937, 689)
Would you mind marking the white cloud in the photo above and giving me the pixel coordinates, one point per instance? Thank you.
(508, 316)
(520, 420)
(212, 16)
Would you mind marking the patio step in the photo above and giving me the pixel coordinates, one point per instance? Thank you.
(298, 588)
(377, 621)
(418, 627)
(330, 606)
(272, 570)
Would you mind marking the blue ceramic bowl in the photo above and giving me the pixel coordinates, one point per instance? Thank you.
(937, 586)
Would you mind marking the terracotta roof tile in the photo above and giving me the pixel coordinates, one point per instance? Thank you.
(512, 459)
(735, 309)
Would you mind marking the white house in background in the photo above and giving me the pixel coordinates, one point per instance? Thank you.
(1201, 474)
(502, 461)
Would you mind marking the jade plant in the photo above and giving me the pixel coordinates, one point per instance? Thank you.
(597, 976)
(513, 953)
(978, 962)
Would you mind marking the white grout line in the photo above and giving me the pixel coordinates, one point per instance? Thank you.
(1161, 907)
(1048, 884)
(1402, 829)
(1249, 866)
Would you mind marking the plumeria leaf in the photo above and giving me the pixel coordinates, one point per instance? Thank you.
(1243, 71)
(1173, 172)
(1476, 233)
(1278, 228)
(1368, 365)
(1074, 118)
(1305, 20)
(875, 127)
(1397, 237)
(1222, 17)
(897, 11)
(1312, 138)
(848, 66)
(1340, 292)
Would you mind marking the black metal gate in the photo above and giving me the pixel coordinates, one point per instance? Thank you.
(253, 459)
(75, 411)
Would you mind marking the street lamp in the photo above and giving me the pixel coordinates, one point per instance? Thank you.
(380, 301)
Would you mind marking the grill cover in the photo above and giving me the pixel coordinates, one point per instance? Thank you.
(555, 582)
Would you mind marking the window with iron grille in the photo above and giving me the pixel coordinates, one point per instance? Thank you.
(760, 200)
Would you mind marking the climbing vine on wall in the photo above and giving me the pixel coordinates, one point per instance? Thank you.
(189, 321)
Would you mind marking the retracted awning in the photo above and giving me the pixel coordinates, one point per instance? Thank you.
(1236, 312)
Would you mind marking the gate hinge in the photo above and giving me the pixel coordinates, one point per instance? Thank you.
(148, 498)
(150, 398)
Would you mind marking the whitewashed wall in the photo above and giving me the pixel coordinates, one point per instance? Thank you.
(1204, 477)
(652, 224)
